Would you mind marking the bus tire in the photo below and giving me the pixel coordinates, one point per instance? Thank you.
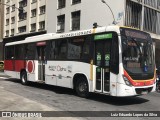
(82, 87)
(24, 78)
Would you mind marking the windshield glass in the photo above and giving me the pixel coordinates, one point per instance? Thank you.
(137, 52)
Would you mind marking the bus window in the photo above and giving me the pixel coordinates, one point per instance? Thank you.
(30, 51)
(51, 50)
(78, 48)
(9, 52)
(19, 55)
(62, 49)
(86, 49)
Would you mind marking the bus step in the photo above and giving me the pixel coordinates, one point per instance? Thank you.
(40, 81)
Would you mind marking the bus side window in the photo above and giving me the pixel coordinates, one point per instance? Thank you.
(51, 50)
(30, 51)
(86, 48)
(9, 52)
(62, 51)
(19, 55)
(78, 48)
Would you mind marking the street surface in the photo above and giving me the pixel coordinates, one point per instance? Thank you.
(62, 99)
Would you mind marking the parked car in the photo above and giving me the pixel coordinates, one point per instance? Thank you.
(1, 65)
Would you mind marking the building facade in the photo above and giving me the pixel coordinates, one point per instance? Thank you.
(1, 29)
(70, 15)
(23, 17)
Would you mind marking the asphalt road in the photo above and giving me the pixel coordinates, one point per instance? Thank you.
(63, 99)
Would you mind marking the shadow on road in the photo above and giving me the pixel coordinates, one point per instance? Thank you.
(118, 101)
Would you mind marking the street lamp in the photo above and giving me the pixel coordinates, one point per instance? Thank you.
(114, 21)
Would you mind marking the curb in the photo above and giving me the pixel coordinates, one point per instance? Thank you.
(2, 74)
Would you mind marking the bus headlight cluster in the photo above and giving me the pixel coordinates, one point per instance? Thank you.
(127, 81)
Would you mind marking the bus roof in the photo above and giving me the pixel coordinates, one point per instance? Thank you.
(50, 36)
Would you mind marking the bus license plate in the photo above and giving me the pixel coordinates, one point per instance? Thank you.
(144, 92)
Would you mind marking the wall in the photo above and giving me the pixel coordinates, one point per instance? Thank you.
(91, 11)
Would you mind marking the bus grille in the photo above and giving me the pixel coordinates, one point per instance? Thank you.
(142, 76)
(143, 90)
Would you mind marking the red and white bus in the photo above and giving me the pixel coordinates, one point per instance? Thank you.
(112, 60)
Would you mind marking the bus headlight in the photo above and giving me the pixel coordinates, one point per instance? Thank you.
(127, 81)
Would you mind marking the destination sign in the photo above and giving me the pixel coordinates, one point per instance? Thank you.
(103, 36)
(134, 33)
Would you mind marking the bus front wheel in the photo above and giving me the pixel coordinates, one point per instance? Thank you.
(82, 87)
(24, 78)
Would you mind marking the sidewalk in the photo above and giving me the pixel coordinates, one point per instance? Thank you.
(2, 74)
(12, 102)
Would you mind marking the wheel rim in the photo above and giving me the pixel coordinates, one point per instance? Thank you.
(23, 78)
(82, 87)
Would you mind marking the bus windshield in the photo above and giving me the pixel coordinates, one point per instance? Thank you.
(137, 53)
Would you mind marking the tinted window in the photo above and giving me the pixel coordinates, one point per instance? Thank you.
(75, 48)
(30, 51)
(61, 48)
(78, 48)
(51, 50)
(9, 52)
(19, 54)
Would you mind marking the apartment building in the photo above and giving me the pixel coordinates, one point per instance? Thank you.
(23, 18)
(1, 29)
(71, 15)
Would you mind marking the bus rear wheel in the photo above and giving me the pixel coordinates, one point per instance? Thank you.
(24, 78)
(82, 87)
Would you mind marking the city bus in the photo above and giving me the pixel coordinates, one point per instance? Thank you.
(112, 60)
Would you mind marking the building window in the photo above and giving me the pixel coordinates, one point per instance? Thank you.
(33, 1)
(33, 27)
(150, 20)
(7, 10)
(12, 20)
(23, 3)
(42, 10)
(22, 16)
(76, 20)
(7, 21)
(22, 29)
(133, 15)
(7, 33)
(76, 1)
(33, 12)
(61, 4)
(60, 23)
(41, 25)
(13, 8)
(12, 32)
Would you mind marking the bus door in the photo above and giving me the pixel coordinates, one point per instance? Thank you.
(41, 46)
(102, 61)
